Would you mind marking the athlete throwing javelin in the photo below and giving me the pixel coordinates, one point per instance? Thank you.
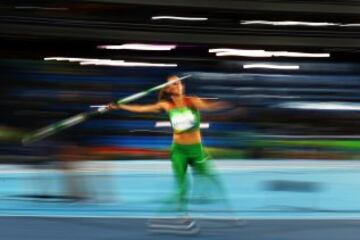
(187, 148)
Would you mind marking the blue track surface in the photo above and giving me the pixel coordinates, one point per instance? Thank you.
(280, 200)
(255, 189)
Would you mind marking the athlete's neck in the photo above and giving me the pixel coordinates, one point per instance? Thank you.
(178, 100)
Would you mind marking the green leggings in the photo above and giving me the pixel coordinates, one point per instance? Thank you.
(184, 155)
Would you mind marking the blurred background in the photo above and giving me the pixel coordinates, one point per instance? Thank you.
(286, 149)
(291, 69)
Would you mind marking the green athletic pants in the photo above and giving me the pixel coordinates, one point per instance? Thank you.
(184, 155)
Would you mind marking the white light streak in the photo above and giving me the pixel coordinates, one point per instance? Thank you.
(128, 64)
(321, 105)
(109, 62)
(138, 46)
(102, 62)
(299, 54)
(179, 18)
(288, 23)
(245, 53)
(270, 66)
(298, 23)
(263, 53)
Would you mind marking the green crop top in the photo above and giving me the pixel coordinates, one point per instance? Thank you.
(184, 119)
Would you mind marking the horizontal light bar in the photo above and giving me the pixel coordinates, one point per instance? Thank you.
(240, 52)
(109, 62)
(270, 66)
(263, 53)
(298, 23)
(102, 62)
(168, 124)
(287, 23)
(128, 64)
(180, 18)
(321, 105)
(298, 54)
(218, 50)
(138, 46)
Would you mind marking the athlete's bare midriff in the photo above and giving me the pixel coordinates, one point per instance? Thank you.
(186, 138)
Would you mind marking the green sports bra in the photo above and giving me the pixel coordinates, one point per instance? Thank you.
(184, 119)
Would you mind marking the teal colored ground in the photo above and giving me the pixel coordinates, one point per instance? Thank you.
(254, 190)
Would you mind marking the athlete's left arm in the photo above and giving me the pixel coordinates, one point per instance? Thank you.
(202, 104)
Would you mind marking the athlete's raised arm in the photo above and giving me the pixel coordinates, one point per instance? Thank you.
(140, 108)
(213, 105)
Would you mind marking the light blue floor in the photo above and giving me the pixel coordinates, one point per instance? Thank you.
(255, 190)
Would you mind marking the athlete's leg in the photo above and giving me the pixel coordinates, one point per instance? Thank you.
(211, 181)
(179, 165)
(204, 172)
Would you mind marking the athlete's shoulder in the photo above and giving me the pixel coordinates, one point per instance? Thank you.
(191, 100)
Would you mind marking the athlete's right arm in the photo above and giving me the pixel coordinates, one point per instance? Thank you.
(146, 108)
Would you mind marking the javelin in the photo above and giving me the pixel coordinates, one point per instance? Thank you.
(71, 121)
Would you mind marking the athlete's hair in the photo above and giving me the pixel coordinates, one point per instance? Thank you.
(164, 95)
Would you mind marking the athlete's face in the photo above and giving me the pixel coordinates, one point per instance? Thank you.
(176, 88)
